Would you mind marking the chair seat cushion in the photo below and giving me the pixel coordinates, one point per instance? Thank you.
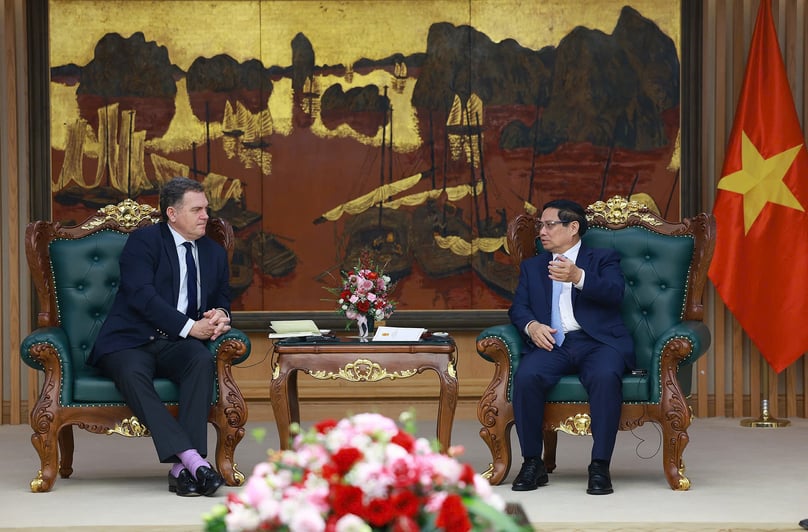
(570, 390)
(100, 390)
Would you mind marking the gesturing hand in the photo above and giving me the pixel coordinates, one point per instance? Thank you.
(564, 270)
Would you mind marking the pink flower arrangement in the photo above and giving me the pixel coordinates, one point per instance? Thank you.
(362, 474)
(365, 292)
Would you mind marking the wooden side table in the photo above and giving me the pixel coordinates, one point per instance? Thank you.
(356, 361)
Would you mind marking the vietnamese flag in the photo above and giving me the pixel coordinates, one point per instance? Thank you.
(760, 266)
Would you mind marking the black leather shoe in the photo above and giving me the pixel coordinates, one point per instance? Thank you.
(531, 476)
(184, 485)
(600, 482)
(804, 524)
(208, 480)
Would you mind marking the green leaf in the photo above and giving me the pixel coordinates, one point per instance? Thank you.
(493, 518)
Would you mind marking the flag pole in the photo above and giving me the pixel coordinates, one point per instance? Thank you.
(765, 421)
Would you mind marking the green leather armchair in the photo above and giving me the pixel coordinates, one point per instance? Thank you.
(665, 267)
(75, 271)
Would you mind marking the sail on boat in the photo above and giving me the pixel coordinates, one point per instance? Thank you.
(71, 173)
(120, 172)
(463, 126)
(258, 129)
(218, 188)
(230, 124)
(364, 202)
(400, 70)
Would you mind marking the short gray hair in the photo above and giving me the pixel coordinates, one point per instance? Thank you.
(172, 193)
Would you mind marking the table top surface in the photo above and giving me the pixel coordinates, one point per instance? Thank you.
(321, 344)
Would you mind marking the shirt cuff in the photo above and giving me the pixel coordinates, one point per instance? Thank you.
(580, 284)
(187, 329)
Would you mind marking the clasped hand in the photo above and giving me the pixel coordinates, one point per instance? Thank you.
(213, 324)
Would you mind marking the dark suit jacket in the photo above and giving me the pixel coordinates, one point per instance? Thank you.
(146, 303)
(596, 307)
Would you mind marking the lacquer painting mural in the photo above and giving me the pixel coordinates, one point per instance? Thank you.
(414, 129)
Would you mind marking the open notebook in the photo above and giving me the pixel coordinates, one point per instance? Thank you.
(293, 328)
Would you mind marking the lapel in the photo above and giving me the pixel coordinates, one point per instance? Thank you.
(203, 272)
(170, 250)
(582, 261)
(546, 283)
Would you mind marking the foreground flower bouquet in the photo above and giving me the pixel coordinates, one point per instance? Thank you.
(362, 473)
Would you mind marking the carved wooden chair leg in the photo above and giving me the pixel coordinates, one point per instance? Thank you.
(66, 451)
(675, 439)
(550, 446)
(46, 444)
(496, 433)
(227, 438)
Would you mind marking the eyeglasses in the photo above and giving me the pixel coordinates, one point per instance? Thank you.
(549, 224)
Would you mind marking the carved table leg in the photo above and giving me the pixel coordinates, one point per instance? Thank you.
(279, 394)
(66, 451)
(447, 404)
(550, 446)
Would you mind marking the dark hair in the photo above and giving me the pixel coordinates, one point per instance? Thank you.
(172, 193)
(569, 211)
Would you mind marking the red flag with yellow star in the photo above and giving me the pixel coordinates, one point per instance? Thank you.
(760, 266)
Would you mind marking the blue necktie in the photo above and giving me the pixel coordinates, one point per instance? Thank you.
(193, 311)
(555, 314)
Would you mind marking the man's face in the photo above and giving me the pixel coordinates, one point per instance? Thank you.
(559, 237)
(190, 217)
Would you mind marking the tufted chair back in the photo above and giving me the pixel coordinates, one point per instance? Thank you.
(655, 267)
(85, 277)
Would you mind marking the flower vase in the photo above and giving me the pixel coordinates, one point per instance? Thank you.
(365, 326)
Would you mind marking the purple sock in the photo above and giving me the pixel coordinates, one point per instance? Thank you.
(192, 461)
(176, 469)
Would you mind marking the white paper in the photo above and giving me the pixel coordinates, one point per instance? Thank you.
(398, 334)
(293, 328)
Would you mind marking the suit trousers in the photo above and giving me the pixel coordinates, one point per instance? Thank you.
(187, 363)
(600, 368)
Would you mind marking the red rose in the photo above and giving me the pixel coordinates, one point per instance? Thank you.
(468, 475)
(405, 440)
(405, 503)
(324, 426)
(363, 306)
(379, 512)
(345, 458)
(346, 499)
(372, 276)
(453, 516)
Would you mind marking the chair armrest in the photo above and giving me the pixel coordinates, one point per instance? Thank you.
(695, 332)
(501, 345)
(47, 349)
(235, 352)
(53, 336)
(679, 346)
(514, 342)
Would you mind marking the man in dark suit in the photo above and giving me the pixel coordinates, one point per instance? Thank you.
(584, 335)
(157, 325)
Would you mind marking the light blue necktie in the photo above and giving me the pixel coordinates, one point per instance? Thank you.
(555, 314)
